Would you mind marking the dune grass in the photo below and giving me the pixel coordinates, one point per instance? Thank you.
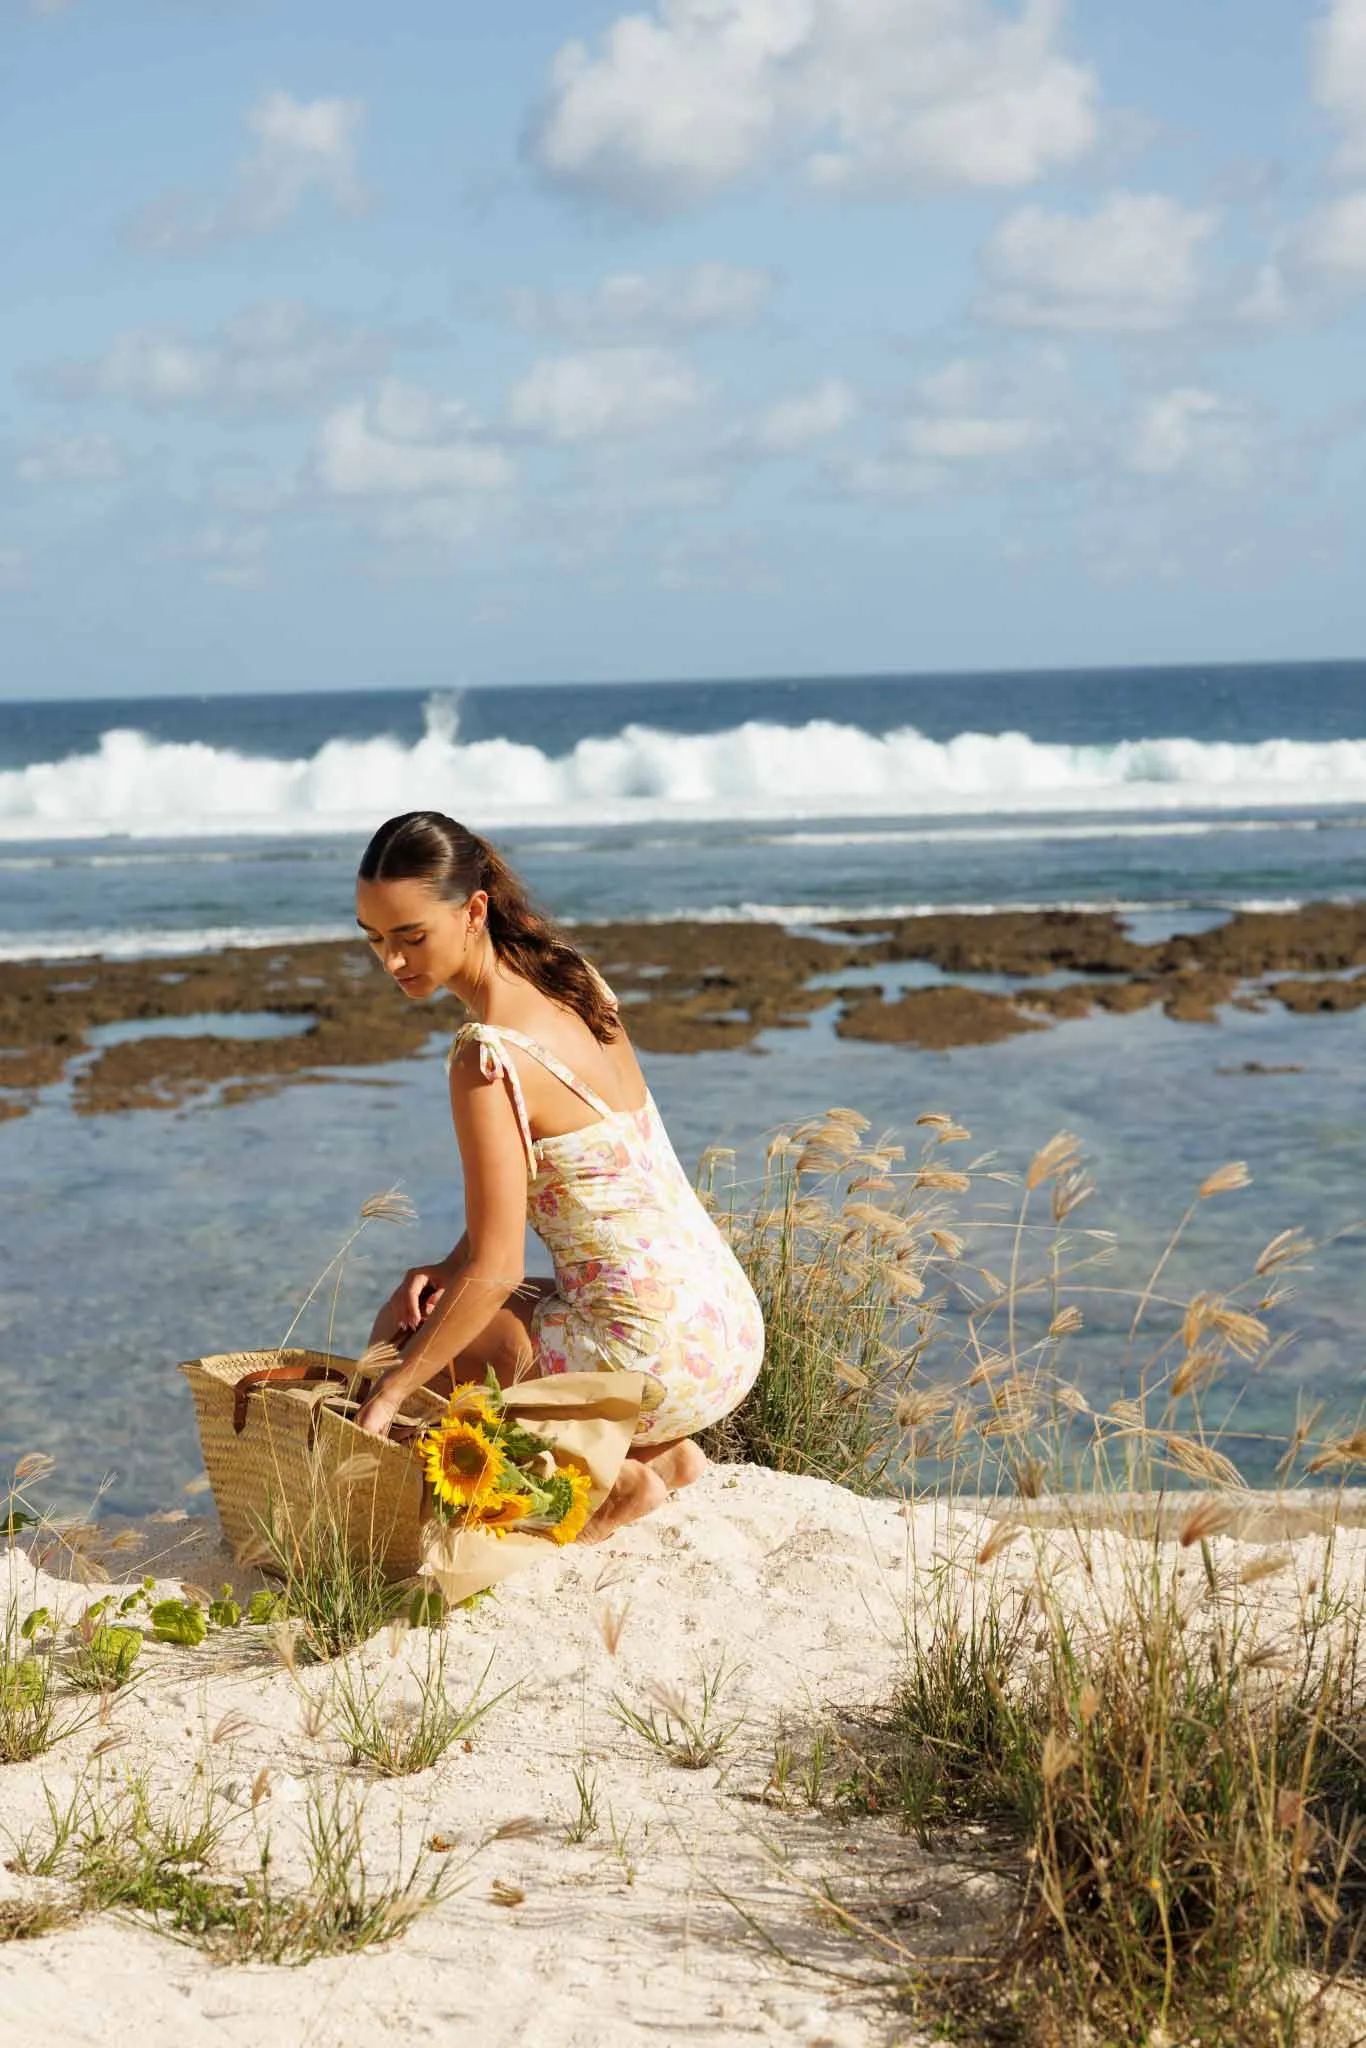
(124, 1850)
(1182, 1798)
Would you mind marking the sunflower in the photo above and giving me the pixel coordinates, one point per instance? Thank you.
(580, 1486)
(470, 1398)
(463, 1465)
(500, 1511)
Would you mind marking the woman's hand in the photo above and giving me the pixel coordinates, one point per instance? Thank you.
(376, 1416)
(411, 1302)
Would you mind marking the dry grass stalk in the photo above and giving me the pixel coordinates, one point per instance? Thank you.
(1060, 1155)
(999, 1540)
(942, 1177)
(1201, 1461)
(1243, 1334)
(1226, 1180)
(1207, 1518)
(1265, 1567)
(1348, 1450)
(34, 1465)
(1285, 1246)
(1195, 1370)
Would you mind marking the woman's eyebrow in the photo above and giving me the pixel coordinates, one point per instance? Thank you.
(398, 930)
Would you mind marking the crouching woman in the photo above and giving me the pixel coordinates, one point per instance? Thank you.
(557, 1128)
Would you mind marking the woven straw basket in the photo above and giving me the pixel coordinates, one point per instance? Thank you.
(282, 1453)
(273, 1458)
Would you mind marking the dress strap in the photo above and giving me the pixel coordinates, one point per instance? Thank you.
(495, 1065)
(543, 1055)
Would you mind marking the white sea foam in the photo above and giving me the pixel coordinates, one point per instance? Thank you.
(138, 787)
(154, 943)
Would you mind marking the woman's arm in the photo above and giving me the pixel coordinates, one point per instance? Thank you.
(494, 1164)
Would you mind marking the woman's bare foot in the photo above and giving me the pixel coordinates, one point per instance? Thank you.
(645, 1481)
(678, 1464)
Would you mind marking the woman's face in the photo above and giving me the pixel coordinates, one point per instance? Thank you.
(423, 942)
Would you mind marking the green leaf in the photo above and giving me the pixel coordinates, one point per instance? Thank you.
(22, 1684)
(426, 1609)
(225, 1612)
(40, 1618)
(179, 1621)
(115, 1650)
(266, 1606)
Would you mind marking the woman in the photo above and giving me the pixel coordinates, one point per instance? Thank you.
(556, 1127)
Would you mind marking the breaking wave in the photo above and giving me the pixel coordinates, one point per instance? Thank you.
(141, 788)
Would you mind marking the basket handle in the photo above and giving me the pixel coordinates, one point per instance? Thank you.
(281, 1376)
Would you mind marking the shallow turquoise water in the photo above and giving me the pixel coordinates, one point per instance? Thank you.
(135, 1240)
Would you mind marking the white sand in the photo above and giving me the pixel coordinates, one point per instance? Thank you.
(800, 1586)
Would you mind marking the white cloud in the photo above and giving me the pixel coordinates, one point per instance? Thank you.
(229, 555)
(1189, 432)
(967, 437)
(69, 458)
(272, 354)
(603, 394)
(300, 148)
(956, 387)
(1331, 245)
(682, 102)
(705, 295)
(407, 443)
(1339, 76)
(798, 423)
(1131, 267)
(879, 476)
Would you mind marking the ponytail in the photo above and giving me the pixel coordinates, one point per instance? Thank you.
(427, 846)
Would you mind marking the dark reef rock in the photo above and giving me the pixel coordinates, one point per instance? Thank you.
(684, 988)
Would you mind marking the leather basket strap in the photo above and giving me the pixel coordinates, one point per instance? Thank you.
(280, 1376)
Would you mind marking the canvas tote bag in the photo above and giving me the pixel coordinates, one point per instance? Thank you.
(282, 1452)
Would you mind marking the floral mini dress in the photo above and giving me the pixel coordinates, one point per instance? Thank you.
(644, 1280)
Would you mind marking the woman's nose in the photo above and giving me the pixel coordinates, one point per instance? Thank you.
(394, 962)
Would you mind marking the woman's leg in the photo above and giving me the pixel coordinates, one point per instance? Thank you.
(504, 1343)
(650, 1473)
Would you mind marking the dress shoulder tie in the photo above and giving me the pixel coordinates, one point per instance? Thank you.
(495, 1065)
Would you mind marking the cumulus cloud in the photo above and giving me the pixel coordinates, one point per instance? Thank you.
(234, 556)
(800, 422)
(272, 354)
(409, 443)
(679, 103)
(654, 302)
(968, 437)
(1331, 245)
(300, 149)
(1339, 77)
(1130, 267)
(604, 394)
(883, 476)
(69, 459)
(1189, 432)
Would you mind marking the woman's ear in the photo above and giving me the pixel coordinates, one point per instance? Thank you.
(477, 911)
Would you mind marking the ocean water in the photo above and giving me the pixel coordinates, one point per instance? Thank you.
(128, 1242)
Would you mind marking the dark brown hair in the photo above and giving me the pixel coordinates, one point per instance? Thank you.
(427, 846)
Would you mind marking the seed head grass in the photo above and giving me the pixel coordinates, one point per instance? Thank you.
(1180, 1797)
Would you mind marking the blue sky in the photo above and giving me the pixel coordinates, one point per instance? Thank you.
(437, 345)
